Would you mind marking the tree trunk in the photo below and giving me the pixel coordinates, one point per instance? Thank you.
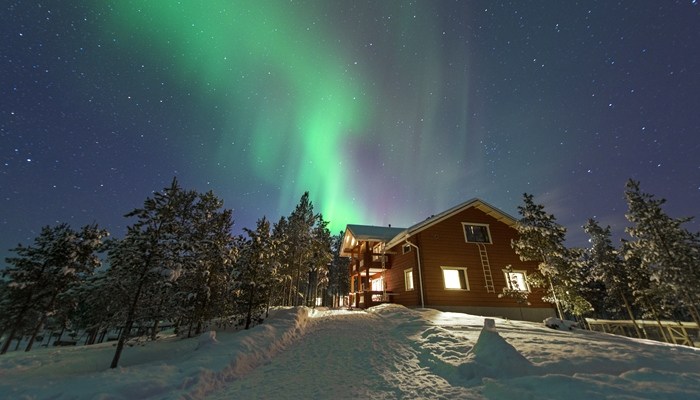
(129, 322)
(629, 311)
(42, 320)
(92, 336)
(16, 325)
(296, 292)
(658, 322)
(154, 329)
(102, 336)
(35, 332)
(556, 300)
(250, 307)
(692, 310)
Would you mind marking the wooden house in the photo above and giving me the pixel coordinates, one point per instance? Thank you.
(455, 261)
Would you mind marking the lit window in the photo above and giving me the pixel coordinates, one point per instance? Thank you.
(455, 278)
(377, 285)
(476, 233)
(516, 280)
(408, 278)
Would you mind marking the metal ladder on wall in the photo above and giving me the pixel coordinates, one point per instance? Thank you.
(487, 268)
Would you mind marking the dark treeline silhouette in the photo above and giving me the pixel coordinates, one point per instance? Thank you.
(179, 265)
(652, 274)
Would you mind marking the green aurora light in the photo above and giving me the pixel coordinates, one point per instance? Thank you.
(305, 96)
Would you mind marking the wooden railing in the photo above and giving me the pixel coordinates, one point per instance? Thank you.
(371, 298)
(665, 331)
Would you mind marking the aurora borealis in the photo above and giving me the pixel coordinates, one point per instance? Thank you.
(385, 111)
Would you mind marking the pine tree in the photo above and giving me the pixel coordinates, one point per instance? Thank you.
(541, 239)
(202, 292)
(669, 252)
(255, 271)
(608, 267)
(153, 255)
(98, 306)
(284, 283)
(40, 274)
(320, 257)
(299, 238)
(338, 277)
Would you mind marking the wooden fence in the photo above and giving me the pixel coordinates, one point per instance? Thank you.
(676, 332)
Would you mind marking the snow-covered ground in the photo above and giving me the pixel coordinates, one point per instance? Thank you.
(388, 352)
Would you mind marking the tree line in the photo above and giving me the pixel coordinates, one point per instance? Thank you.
(179, 263)
(653, 274)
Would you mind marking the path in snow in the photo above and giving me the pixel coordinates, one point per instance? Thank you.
(364, 355)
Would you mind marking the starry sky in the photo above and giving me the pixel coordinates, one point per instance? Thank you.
(385, 111)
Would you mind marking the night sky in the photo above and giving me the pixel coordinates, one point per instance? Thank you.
(385, 111)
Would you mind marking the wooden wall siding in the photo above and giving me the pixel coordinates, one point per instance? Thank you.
(395, 277)
(443, 245)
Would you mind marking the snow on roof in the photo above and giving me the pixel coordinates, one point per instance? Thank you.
(374, 233)
(357, 233)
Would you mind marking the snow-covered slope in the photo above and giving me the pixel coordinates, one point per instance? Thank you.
(389, 352)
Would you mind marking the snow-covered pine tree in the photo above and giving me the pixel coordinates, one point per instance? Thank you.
(255, 271)
(60, 259)
(299, 238)
(203, 288)
(320, 257)
(152, 256)
(338, 277)
(667, 250)
(607, 266)
(646, 294)
(98, 307)
(284, 282)
(541, 239)
(591, 288)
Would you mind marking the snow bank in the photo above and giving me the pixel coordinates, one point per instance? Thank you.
(165, 369)
(388, 352)
(243, 353)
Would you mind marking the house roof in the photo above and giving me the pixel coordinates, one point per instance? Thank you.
(393, 236)
(434, 219)
(356, 233)
(370, 232)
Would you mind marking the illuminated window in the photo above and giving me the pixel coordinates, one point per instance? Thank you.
(516, 280)
(476, 233)
(408, 278)
(455, 278)
(377, 285)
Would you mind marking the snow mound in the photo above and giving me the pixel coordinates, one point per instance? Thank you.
(560, 324)
(207, 339)
(493, 357)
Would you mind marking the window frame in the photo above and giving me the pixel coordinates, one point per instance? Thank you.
(516, 271)
(404, 247)
(462, 270)
(466, 237)
(408, 274)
